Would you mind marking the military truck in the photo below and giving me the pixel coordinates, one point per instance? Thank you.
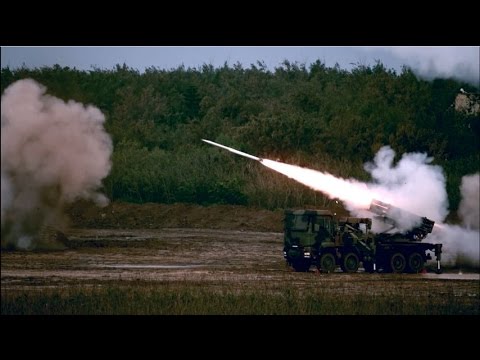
(318, 237)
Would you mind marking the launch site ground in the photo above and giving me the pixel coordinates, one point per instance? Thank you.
(201, 270)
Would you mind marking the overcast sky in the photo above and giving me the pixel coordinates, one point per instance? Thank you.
(429, 62)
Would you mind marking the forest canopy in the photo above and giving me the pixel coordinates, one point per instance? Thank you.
(325, 118)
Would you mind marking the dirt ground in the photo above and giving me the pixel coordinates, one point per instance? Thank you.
(118, 215)
(214, 258)
(190, 245)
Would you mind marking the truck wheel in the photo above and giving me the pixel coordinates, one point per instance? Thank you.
(398, 263)
(350, 263)
(415, 262)
(327, 263)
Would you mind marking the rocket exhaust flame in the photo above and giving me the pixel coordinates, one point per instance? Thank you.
(350, 191)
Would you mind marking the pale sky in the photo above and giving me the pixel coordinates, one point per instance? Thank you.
(461, 62)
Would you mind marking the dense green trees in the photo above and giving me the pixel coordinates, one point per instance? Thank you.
(320, 117)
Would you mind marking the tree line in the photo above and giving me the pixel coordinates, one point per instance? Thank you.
(325, 118)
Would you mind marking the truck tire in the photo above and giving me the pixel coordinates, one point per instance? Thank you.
(415, 262)
(350, 263)
(398, 263)
(327, 263)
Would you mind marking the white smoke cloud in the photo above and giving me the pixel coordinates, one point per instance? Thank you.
(462, 243)
(53, 152)
(469, 209)
(461, 62)
(461, 246)
(413, 184)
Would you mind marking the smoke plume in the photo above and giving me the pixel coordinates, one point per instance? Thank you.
(53, 152)
(413, 184)
(461, 63)
(469, 209)
(463, 242)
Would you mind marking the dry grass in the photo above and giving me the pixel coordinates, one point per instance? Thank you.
(195, 299)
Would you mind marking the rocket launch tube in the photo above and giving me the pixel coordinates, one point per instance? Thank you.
(233, 150)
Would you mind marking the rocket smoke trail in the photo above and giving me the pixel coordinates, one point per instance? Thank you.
(391, 186)
(412, 184)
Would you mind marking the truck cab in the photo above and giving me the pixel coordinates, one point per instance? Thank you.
(306, 233)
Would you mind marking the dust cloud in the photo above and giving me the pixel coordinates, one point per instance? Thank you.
(52, 153)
